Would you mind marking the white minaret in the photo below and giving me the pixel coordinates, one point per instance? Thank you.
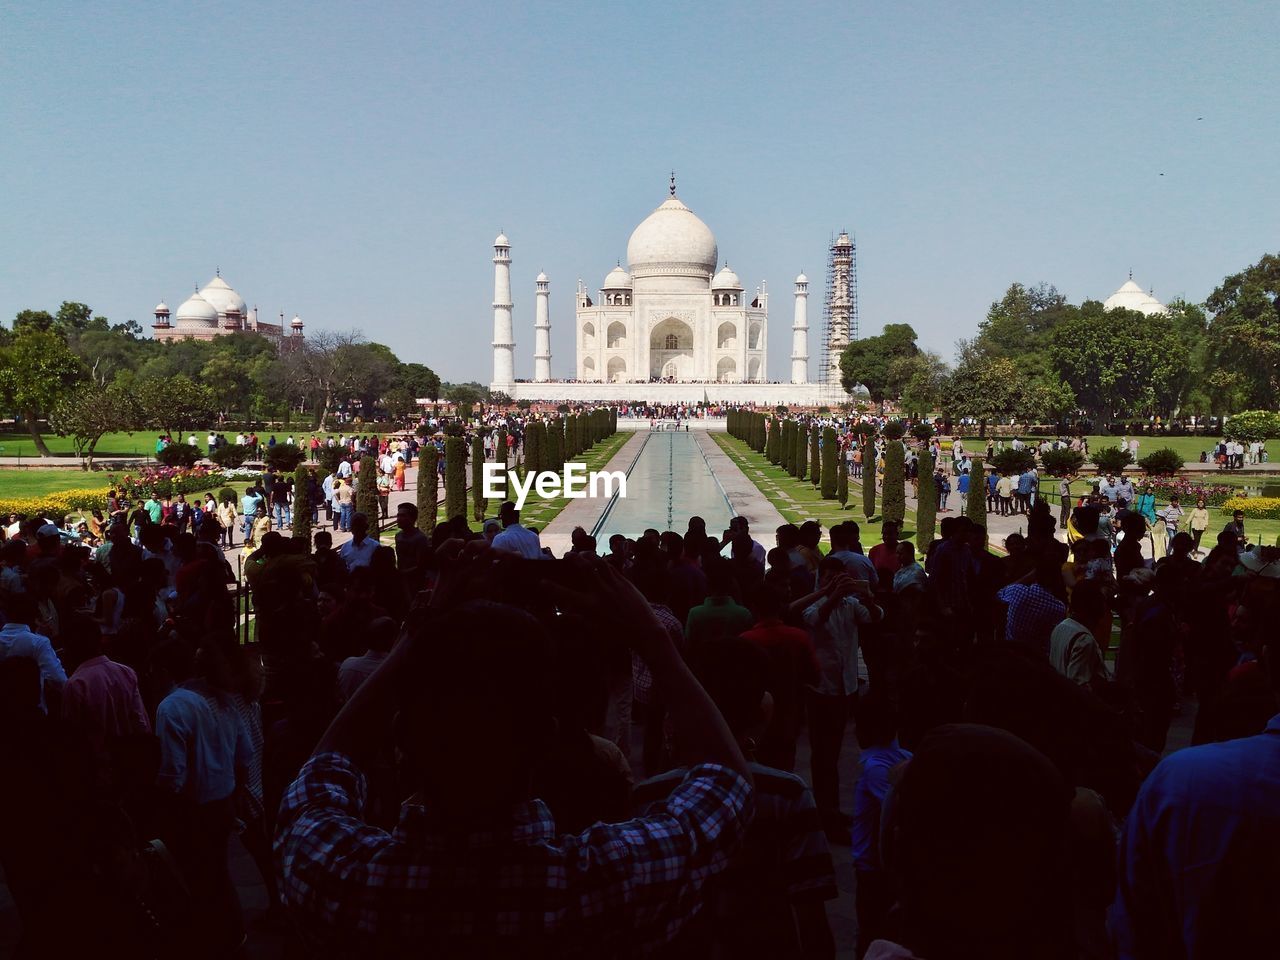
(800, 333)
(542, 332)
(504, 346)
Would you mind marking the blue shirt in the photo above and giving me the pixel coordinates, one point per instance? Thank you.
(1202, 837)
(992, 482)
(203, 742)
(868, 799)
(1024, 483)
(962, 485)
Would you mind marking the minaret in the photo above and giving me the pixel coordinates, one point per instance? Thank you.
(800, 333)
(542, 332)
(841, 308)
(504, 347)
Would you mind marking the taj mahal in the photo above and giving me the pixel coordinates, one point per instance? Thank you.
(674, 325)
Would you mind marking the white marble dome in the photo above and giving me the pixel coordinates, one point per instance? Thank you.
(196, 311)
(726, 279)
(1133, 297)
(617, 279)
(224, 299)
(672, 240)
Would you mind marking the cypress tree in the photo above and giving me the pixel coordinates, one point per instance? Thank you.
(802, 453)
(613, 420)
(771, 445)
(428, 488)
(869, 484)
(894, 495)
(571, 436)
(302, 504)
(532, 440)
(830, 454)
(977, 509)
(500, 446)
(842, 483)
(367, 491)
(455, 478)
(478, 501)
(926, 505)
(815, 457)
(788, 446)
(555, 434)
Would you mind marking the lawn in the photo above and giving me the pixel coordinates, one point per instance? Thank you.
(22, 482)
(1188, 448)
(140, 443)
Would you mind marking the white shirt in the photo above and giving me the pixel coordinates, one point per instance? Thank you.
(19, 640)
(516, 539)
(356, 670)
(202, 742)
(358, 554)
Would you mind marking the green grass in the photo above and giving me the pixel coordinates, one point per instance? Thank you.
(1187, 447)
(21, 482)
(799, 500)
(140, 443)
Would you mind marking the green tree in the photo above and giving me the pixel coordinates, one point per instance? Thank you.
(773, 449)
(918, 381)
(420, 380)
(1251, 426)
(36, 370)
(977, 504)
(555, 431)
(801, 452)
(428, 488)
(869, 361)
(1244, 331)
(788, 447)
(455, 478)
(830, 455)
(815, 456)
(174, 404)
(478, 501)
(87, 413)
(302, 504)
(926, 504)
(869, 483)
(532, 451)
(842, 483)
(981, 387)
(399, 403)
(894, 498)
(367, 492)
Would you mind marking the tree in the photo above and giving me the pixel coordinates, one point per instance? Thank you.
(428, 488)
(842, 483)
(830, 454)
(1244, 331)
(555, 432)
(455, 478)
(532, 446)
(927, 503)
(420, 380)
(788, 447)
(1251, 426)
(399, 403)
(977, 503)
(174, 404)
(302, 504)
(815, 456)
(773, 446)
(36, 371)
(367, 491)
(468, 394)
(478, 501)
(869, 484)
(801, 452)
(90, 411)
(325, 366)
(894, 497)
(37, 321)
(981, 387)
(372, 370)
(919, 380)
(869, 361)
(1017, 327)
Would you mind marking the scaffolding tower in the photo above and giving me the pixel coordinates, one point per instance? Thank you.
(840, 312)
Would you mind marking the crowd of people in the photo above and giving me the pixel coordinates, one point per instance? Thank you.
(455, 741)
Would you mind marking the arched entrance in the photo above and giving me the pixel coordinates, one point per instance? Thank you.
(726, 370)
(589, 369)
(617, 370)
(671, 350)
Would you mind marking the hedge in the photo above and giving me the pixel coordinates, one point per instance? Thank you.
(799, 452)
(478, 501)
(1256, 508)
(927, 504)
(302, 504)
(428, 488)
(894, 497)
(830, 454)
(178, 455)
(977, 506)
(1063, 462)
(367, 491)
(1111, 459)
(230, 455)
(869, 484)
(842, 483)
(773, 446)
(1162, 462)
(455, 478)
(815, 457)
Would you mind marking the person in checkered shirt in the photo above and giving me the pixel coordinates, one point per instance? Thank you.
(476, 865)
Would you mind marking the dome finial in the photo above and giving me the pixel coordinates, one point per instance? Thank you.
(673, 183)
(1131, 273)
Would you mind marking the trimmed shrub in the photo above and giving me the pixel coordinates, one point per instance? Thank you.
(977, 506)
(532, 446)
(801, 452)
(500, 446)
(428, 488)
(869, 485)
(556, 429)
(1256, 508)
(1062, 463)
(367, 491)
(329, 458)
(927, 504)
(302, 504)
(894, 430)
(787, 449)
(894, 496)
(842, 483)
(1163, 462)
(1013, 462)
(179, 455)
(830, 454)
(1252, 425)
(1111, 459)
(478, 501)
(922, 431)
(230, 455)
(229, 493)
(455, 478)
(285, 457)
(815, 457)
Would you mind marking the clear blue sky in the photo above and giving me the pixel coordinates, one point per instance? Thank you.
(353, 162)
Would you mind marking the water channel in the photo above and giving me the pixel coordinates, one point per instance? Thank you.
(669, 482)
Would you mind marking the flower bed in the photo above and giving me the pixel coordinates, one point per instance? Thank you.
(1257, 508)
(1189, 491)
(53, 505)
(166, 481)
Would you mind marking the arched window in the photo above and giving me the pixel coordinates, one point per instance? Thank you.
(726, 336)
(588, 336)
(616, 335)
(672, 342)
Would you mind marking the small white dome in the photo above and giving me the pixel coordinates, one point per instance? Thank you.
(672, 241)
(802, 279)
(542, 278)
(1133, 297)
(726, 279)
(296, 321)
(617, 279)
(224, 299)
(196, 311)
(162, 309)
(502, 241)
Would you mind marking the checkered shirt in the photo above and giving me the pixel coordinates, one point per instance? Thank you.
(1033, 613)
(519, 890)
